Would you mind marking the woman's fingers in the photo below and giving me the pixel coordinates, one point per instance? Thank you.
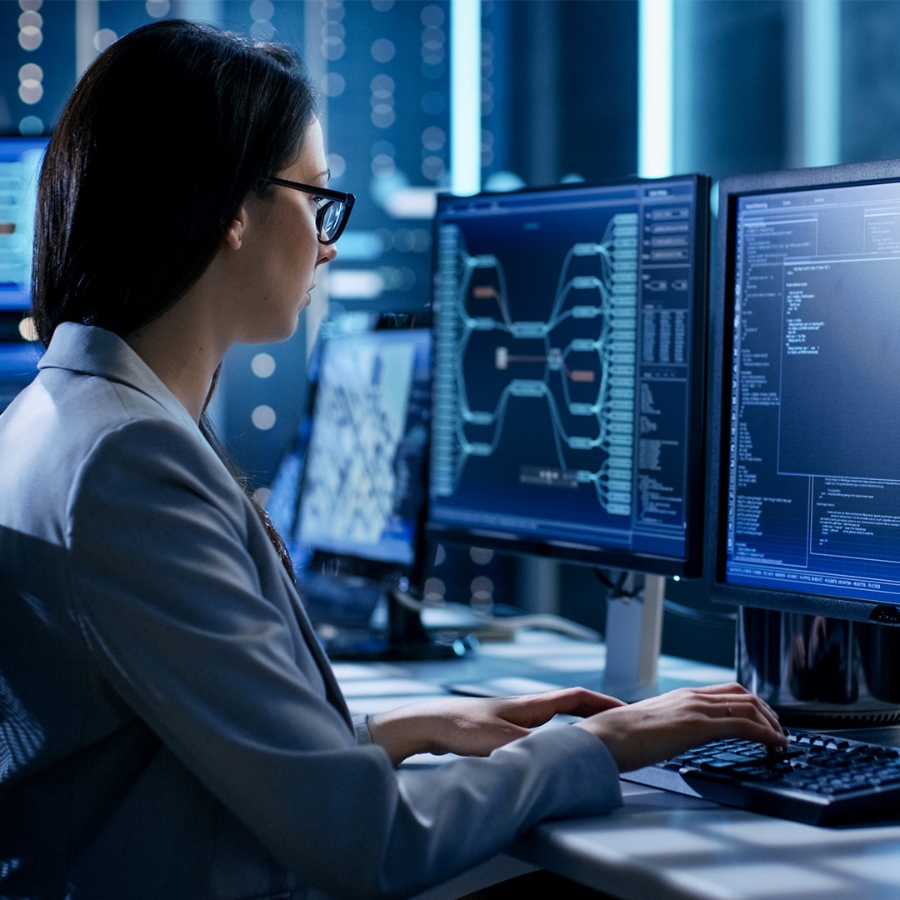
(733, 699)
(647, 732)
(531, 710)
(738, 700)
(577, 702)
(636, 735)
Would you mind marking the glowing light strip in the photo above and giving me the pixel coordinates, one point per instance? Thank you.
(199, 10)
(654, 88)
(465, 96)
(821, 82)
(87, 24)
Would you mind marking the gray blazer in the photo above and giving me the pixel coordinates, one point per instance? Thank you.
(169, 726)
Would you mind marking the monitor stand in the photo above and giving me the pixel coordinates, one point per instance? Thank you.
(819, 672)
(633, 637)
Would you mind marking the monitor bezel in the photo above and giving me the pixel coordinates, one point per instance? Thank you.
(690, 565)
(731, 189)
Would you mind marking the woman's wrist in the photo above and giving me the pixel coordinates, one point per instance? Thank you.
(403, 732)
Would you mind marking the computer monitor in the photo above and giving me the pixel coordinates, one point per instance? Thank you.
(20, 159)
(804, 432)
(350, 496)
(362, 483)
(569, 379)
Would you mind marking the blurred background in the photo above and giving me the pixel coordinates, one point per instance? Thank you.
(420, 96)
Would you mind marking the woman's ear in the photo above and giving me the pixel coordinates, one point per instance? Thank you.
(234, 234)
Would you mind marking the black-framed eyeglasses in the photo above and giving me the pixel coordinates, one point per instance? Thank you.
(334, 208)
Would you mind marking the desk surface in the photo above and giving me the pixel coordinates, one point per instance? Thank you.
(534, 662)
(658, 845)
(673, 847)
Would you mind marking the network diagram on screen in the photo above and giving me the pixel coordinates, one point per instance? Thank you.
(813, 464)
(563, 342)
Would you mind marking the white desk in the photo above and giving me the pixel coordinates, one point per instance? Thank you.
(535, 662)
(671, 847)
(659, 846)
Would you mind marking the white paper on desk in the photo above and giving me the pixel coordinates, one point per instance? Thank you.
(348, 671)
(369, 706)
(387, 687)
(595, 662)
(503, 687)
(524, 651)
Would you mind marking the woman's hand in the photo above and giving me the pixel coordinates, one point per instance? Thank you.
(653, 730)
(473, 726)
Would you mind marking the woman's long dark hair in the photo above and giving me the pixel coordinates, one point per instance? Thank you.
(165, 135)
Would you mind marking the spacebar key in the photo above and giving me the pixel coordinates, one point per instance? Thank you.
(719, 765)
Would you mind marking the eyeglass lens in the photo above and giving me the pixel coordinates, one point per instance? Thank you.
(331, 216)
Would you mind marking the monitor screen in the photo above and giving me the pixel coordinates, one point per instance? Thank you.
(20, 160)
(569, 372)
(362, 490)
(805, 430)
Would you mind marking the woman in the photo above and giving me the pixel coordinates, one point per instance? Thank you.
(170, 727)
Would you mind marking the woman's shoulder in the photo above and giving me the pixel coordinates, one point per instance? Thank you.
(100, 381)
(137, 451)
(69, 438)
(65, 417)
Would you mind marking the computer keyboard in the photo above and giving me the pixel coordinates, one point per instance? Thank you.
(818, 779)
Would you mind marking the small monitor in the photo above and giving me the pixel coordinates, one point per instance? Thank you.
(805, 431)
(362, 491)
(20, 160)
(569, 327)
(350, 497)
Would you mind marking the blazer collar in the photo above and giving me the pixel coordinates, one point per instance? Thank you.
(95, 351)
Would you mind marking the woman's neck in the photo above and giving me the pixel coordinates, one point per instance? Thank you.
(183, 350)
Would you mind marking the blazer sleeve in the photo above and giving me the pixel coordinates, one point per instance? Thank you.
(170, 599)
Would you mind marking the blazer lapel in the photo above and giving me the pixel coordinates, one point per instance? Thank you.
(332, 689)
